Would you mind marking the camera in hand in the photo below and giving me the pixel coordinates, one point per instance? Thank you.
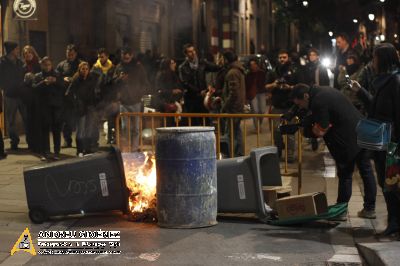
(281, 81)
(304, 116)
(348, 80)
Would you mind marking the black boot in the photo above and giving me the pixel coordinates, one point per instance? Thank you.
(393, 214)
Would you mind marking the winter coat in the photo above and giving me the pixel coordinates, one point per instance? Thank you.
(286, 73)
(366, 77)
(316, 74)
(30, 69)
(11, 77)
(255, 83)
(52, 94)
(385, 104)
(83, 93)
(67, 69)
(131, 91)
(104, 76)
(331, 109)
(194, 80)
(340, 61)
(234, 94)
(166, 82)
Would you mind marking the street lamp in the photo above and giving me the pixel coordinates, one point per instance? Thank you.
(382, 37)
(395, 36)
(371, 17)
(330, 33)
(355, 20)
(382, 1)
(305, 3)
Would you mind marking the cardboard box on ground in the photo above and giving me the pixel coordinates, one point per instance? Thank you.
(303, 205)
(273, 193)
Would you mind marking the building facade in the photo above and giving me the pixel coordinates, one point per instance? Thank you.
(160, 26)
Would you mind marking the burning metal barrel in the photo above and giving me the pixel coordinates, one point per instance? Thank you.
(186, 177)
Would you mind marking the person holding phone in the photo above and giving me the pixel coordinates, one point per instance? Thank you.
(352, 71)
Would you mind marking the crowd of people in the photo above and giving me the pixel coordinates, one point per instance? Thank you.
(75, 96)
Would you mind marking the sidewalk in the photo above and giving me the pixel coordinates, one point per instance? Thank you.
(231, 242)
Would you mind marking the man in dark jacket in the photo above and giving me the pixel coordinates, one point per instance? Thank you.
(234, 98)
(66, 69)
(192, 73)
(131, 83)
(343, 50)
(280, 83)
(335, 118)
(104, 69)
(316, 73)
(12, 83)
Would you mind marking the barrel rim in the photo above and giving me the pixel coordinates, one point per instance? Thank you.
(184, 129)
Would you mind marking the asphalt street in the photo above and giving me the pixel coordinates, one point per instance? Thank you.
(234, 241)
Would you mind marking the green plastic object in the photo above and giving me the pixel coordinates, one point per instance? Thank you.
(333, 211)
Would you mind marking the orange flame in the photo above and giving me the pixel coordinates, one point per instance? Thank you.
(141, 181)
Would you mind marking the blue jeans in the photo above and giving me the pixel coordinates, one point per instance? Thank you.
(134, 128)
(345, 174)
(238, 148)
(258, 106)
(12, 105)
(87, 131)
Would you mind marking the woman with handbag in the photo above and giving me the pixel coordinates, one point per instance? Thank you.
(385, 106)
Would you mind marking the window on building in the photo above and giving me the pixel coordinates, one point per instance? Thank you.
(38, 39)
(235, 5)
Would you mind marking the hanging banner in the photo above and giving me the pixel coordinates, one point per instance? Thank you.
(25, 9)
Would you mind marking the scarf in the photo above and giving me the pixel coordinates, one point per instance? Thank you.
(194, 64)
(30, 66)
(104, 68)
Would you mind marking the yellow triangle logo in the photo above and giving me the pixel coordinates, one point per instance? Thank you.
(24, 243)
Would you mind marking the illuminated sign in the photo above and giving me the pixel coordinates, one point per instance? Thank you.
(24, 9)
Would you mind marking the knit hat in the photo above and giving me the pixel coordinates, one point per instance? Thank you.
(10, 46)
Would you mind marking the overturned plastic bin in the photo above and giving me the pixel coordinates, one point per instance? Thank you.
(91, 184)
(241, 180)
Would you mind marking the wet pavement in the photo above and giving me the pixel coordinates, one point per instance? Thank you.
(234, 241)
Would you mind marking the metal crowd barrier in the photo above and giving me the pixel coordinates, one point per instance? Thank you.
(155, 120)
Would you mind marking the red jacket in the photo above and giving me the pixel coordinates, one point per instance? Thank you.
(255, 83)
